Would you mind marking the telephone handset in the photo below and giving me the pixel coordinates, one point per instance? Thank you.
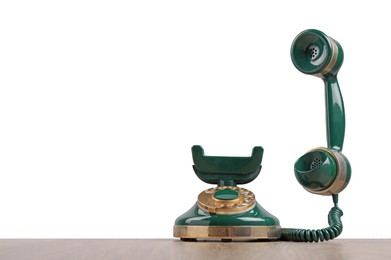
(228, 212)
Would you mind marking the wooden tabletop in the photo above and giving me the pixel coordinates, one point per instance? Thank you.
(175, 249)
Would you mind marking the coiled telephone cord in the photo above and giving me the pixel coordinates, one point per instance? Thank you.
(308, 235)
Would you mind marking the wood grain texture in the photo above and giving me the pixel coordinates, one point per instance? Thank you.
(43, 249)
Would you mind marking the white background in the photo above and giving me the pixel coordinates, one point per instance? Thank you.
(101, 101)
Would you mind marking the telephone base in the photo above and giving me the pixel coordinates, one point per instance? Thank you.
(254, 224)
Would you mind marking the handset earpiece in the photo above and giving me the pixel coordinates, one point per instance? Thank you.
(324, 171)
(315, 53)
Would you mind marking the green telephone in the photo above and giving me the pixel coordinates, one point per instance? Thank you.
(228, 212)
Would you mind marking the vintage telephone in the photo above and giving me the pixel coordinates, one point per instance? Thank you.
(229, 212)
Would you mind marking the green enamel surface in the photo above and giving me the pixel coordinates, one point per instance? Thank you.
(335, 114)
(226, 194)
(258, 216)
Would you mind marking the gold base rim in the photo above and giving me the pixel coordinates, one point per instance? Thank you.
(227, 232)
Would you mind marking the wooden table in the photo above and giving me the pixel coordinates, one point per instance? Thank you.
(42, 249)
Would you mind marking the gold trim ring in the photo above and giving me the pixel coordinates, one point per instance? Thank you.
(333, 59)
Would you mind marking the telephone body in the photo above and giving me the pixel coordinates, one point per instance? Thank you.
(227, 211)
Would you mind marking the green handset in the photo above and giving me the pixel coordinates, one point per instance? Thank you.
(227, 212)
(323, 171)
